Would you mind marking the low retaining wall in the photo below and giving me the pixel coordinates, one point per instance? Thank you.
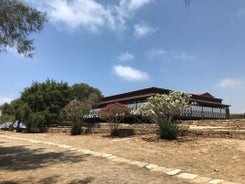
(230, 123)
(229, 128)
(139, 129)
(218, 133)
(232, 128)
(66, 130)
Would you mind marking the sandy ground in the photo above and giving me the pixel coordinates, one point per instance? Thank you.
(24, 162)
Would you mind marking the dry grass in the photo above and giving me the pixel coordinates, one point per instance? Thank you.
(22, 162)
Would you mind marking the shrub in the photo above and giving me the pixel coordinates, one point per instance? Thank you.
(168, 130)
(114, 114)
(18, 129)
(163, 110)
(76, 129)
(115, 132)
(35, 122)
(76, 110)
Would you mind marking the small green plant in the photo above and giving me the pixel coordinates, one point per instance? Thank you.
(168, 130)
(76, 129)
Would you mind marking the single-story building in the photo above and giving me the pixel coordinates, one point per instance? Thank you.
(207, 106)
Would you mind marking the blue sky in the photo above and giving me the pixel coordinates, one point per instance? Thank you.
(123, 45)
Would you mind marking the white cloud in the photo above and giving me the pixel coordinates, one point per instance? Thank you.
(125, 56)
(183, 55)
(89, 14)
(131, 74)
(230, 83)
(5, 100)
(136, 4)
(157, 52)
(86, 13)
(142, 29)
(170, 55)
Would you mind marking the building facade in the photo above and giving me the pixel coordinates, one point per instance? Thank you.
(207, 106)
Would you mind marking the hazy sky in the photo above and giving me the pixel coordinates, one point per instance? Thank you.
(123, 45)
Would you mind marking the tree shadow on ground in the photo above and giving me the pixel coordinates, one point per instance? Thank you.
(83, 181)
(21, 158)
(52, 179)
(181, 139)
(49, 180)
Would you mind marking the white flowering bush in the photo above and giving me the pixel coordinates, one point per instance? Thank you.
(162, 109)
(165, 106)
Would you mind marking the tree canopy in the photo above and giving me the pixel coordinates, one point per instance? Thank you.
(17, 22)
(42, 104)
(48, 98)
(87, 94)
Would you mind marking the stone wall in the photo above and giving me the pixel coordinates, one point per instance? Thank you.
(217, 133)
(105, 128)
(231, 123)
(230, 128)
(138, 128)
(66, 130)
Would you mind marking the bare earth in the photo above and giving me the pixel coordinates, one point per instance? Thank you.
(26, 162)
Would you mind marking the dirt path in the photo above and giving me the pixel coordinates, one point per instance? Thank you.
(24, 162)
(214, 158)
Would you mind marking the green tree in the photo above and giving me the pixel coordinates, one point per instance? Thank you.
(9, 110)
(36, 122)
(48, 99)
(7, 114)
(113, 114)
(87, 94)
(162, 109)
(6, 109)
(75, 112)
(17, 22)
(6, 117)
(22, 114)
